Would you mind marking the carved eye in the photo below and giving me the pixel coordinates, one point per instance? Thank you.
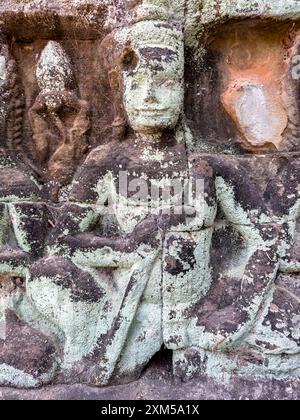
(167, 83)
(129, 60)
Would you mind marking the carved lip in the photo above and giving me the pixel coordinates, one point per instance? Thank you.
(152, 111)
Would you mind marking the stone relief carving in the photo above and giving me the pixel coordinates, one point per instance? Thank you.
(242, 290)
(12, 103)
(22, 232)
(152, 104)
(177, 228)
(58, 117)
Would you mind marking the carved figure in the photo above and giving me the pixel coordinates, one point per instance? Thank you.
(126, 246)
(241, 322)
(11, 101)
(58, 117)
(27, 356)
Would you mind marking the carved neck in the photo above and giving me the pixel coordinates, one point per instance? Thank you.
(148, 139)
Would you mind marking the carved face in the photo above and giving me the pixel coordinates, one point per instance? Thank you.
(153, 77)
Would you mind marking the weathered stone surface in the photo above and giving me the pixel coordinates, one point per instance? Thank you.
(27, 357)
(149, 198)
(156, 384)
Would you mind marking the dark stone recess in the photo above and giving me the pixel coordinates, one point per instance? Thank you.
(157, 383)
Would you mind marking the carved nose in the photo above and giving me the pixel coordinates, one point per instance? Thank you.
(150, 98)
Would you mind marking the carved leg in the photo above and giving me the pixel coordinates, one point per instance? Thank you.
(27, 354)
(222, 316)
(94, 308)
(40, 132)
(70, 299)
(186, 280)
(27, 357)
(145, 335)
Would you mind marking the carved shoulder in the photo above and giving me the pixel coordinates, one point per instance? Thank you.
(97, 165)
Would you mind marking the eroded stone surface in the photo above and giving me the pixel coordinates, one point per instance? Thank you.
(149, 193)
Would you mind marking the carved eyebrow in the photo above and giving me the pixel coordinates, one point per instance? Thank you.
(129, 59)
(159, 54)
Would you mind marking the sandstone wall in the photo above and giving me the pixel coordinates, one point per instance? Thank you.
(149, 190)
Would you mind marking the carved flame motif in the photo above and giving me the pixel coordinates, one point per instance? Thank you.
(54, 70)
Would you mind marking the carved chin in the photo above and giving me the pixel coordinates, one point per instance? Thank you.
(152, 122)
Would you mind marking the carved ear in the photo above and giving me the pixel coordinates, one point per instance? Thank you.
(119, 124)
(112, 53)
(114, 80)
